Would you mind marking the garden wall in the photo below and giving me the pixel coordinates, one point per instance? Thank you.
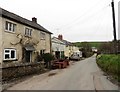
(11, 72)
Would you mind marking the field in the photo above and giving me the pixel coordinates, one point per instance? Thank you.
(92, 44)
(110, 63)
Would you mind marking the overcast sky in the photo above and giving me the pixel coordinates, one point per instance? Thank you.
(76, 20)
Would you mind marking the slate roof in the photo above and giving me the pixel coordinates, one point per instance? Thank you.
(64, 41)
(67, 43)
(6, 14)
(57, 41)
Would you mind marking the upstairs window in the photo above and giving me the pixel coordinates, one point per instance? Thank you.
(42, 35)
(9, 54)
(28, 32)
(10, 26)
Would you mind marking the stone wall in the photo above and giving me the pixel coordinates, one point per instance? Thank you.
(9, 73)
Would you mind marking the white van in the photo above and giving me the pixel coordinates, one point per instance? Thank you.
(77, 55)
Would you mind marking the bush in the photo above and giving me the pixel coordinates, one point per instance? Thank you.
(87, 54)
(47, 59)
(110, 64)
(38, 58)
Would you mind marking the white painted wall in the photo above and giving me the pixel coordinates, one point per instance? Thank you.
(57, 45)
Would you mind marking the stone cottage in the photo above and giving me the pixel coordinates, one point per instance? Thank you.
(21, 40)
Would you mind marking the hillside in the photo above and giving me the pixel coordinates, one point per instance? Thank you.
(92, 44)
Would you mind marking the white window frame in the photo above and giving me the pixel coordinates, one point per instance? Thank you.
(42, 35)
(10, 27)
(28, 32)
(9, 53)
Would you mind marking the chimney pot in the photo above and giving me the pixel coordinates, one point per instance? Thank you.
(34, 19)
(60, 37)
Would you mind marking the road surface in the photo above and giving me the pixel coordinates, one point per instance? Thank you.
(82, 75)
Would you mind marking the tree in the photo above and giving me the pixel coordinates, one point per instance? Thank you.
(86, 46)
(107, 47)
(86, 49)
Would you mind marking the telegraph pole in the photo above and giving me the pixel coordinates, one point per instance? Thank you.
(114, 24)
(114, 27)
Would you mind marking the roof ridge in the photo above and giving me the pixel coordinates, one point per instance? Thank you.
(22, 20)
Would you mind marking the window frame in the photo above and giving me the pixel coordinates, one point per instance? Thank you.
(10, 27)
(9, 53)
(42, 35)
(28, 32)
(42, 51)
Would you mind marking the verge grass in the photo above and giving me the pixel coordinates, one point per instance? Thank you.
(110, 63)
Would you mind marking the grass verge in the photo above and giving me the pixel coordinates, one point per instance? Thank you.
(110, 63)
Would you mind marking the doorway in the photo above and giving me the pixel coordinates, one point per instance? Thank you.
(28, 55)
(57, 54)
(28, 49)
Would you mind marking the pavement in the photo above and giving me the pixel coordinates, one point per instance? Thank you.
(81, 75)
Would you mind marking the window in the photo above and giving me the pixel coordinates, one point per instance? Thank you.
(42, 52)
(28, 32)
(10, 26)
(9, 54)
(42, 35)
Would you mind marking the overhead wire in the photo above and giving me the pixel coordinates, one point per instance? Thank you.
(91, 16)
(86, 13)
(82, 15)
(58, 29)
(88, 18)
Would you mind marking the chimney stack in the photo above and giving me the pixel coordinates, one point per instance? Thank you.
(34, 19)
(60, 37)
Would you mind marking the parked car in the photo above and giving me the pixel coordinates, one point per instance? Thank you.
(77, 55)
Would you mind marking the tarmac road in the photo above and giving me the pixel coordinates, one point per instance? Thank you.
(82, 75)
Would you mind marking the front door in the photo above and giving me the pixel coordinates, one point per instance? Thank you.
(57, 54)
(28, 56)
